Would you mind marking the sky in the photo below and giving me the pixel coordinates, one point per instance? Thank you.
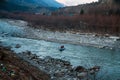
(74, 2)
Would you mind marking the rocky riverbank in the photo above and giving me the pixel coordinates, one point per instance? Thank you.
(13, 67)
(60, 69)
(28, 66)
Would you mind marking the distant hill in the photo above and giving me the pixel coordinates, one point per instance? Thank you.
(29, 5)
(36, 3)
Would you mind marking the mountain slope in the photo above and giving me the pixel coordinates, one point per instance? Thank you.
(31, 3)
(53, 3)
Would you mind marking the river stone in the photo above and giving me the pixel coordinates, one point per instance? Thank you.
(82, 75)
(94, 69)
(79, 69)
(28, 53)
(59, 74)
(17, 46)
(66, 63)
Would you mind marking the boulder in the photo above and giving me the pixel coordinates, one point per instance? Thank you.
(94, 69)
(82, 75)
(28, 53)
(66, 63)
(79, 69)
(17, 46)
(59, 74)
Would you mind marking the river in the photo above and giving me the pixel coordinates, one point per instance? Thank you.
(85, 56)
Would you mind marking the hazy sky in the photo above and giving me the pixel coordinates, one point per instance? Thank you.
(74, 2)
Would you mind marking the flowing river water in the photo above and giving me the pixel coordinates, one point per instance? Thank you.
(109, 60)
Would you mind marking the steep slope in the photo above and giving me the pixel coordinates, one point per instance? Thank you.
(12, 7)
(29, 5)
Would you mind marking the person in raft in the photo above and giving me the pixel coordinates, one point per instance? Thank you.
(62, 48)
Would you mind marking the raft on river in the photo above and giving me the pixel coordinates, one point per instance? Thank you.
(61, 48)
